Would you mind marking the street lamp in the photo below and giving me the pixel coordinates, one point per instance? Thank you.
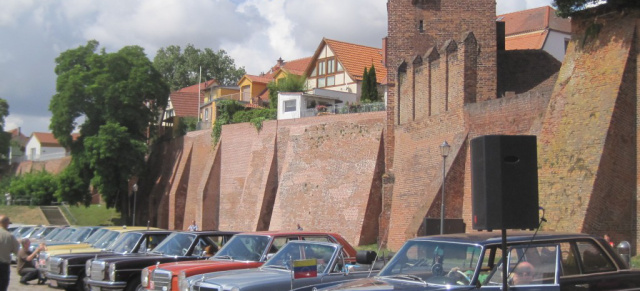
(444, 151)
(135, 191)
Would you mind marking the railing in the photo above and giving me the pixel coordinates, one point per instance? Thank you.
(344, 109)
(46, 157)
(67, 212)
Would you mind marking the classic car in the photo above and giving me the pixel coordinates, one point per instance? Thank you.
(68, 270)
(243, 251)
(123, 272)
(297, 265)
(472, 261)
(100, 239)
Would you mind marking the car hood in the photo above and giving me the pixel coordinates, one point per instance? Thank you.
(67, 246)
(246, 277)
(384, 284)
(204, 266)
(71, 251)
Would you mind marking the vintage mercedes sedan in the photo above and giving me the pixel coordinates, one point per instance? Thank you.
(243, 251)
(472, 261)
(298, 265)
(68, 270)
(123, 272)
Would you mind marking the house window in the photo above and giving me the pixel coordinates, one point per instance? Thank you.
(331, 80)
(326, 70)
(331, 66)
(321, 68)
(206, 114)
(289, 105)
(321, 82)
(246, 93)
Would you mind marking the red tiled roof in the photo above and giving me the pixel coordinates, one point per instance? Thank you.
(259, 79)
(264, 95)
(354, 58)
(46, 139)
(534, 40)
(541, 18)
(185, 100)
(185, 103)
(194, 88)
(297, 67)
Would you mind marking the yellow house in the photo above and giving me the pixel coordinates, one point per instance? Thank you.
(212, 94)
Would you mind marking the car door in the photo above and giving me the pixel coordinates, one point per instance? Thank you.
(543, 274)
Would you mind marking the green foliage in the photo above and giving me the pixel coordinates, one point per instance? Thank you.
(38, 187)
(96, 215)
(369, 86)
(567, 7)
(182, 68)
(290, 83)
(186, 124)
(119, 95)
(114, 158)
(226, 109)
(366, 86)
(73, 183)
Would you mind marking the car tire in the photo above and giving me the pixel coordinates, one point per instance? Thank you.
(133, 285)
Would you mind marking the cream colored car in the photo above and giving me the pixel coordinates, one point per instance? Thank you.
(98, 241)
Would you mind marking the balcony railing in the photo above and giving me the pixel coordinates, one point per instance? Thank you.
(344, 109)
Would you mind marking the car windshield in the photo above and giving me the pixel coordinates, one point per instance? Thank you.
(244, 248)
(53, 233)
(24, 231)
(295, 251)
(62, 235)
(125, 243)
(106, 239)
(433, 262)
(79, 236)
(96, 236)
(44, 232)
(177, 244)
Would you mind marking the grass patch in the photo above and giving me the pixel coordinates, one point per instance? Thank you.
(23, 214)
(635, 262)
(374, 247)
(95, 215)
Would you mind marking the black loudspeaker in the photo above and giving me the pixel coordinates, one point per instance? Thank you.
(504, 182)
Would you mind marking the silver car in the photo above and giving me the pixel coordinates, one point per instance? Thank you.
(298, 265)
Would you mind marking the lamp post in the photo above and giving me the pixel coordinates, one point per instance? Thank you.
(135, 191)
(444, 151)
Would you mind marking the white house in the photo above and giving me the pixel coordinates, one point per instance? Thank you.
(44, 146)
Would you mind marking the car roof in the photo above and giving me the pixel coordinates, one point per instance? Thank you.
(484, 238)
(286, 233)
(211, 232)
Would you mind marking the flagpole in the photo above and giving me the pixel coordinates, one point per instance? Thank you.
(199, 83)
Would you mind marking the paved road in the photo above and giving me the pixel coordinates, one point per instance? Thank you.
(14, 283)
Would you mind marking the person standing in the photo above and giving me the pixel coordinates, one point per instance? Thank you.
(8, 245)
(25, 267)
(193, 226)
(608, 239)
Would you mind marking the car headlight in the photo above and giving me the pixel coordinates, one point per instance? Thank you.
(144, 278)
(64, 265)
(183, 284)
(87, 268)
(112, 272)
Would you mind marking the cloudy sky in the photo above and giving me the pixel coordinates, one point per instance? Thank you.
(255, 33)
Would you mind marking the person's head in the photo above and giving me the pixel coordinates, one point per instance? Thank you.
(193, 222)
(607, 237)
(5, 221)
(523, 273)
(26, 243)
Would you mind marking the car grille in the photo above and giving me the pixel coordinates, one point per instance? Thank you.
(97, 270)
(198, 288)
(161, 278)
(54, 265)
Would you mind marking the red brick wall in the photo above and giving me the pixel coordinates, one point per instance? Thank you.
(588, 182)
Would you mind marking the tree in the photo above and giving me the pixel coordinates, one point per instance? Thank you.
(118, 95)
(182, 68)
(5, 137)
(290, 83)
(38, 188)
(373, 85)
(567, 7)
(366, 86)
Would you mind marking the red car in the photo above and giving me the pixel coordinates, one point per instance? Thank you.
(243, 251)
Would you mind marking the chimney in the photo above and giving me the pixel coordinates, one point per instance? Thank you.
(280, 62)
(384, 51)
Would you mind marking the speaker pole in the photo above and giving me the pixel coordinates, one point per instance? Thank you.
(505, 286)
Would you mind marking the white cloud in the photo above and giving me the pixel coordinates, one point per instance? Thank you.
(253, 32)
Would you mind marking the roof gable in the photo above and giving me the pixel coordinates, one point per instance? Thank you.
(536, 19)
(46, 139)
(353, 57)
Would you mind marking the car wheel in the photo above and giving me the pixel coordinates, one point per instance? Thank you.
(134, 285)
